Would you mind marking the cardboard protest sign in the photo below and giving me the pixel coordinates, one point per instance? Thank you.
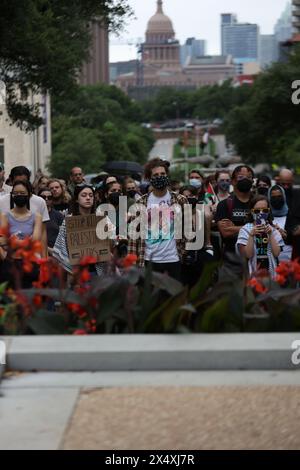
(82, 239)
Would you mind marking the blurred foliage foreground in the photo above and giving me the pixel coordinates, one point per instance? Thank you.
(142, 301)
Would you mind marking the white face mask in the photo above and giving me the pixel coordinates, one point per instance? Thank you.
(196, 183)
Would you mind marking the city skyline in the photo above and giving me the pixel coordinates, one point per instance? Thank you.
(189, 21)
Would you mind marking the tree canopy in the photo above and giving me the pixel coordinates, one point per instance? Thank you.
(43, 44)
(266, 127)
(93, 125)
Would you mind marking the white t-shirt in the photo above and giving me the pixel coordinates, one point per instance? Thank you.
(243, 238)
(287, 250)
(37, 205)
(5, 190)
(161, 245)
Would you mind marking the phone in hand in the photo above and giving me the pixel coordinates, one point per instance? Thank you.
(261, 219)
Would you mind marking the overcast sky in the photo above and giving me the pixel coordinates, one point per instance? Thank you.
(198, 18)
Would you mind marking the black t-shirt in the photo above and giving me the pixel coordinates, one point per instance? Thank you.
(63, 206)
(236, 211)
(56, 219)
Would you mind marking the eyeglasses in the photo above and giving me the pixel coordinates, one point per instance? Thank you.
(260, 211)
(49, 198)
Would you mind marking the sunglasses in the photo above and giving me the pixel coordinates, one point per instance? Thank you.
(260, 211)
(49, 198)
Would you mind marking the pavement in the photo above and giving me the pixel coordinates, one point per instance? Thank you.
(163, 148)
(191, 410)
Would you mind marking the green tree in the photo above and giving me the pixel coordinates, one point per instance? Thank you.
(75, 146)
(266, 127)
(110, 115)
(114, 144)
(43, 44)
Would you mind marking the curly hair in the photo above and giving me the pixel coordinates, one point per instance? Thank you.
(155, 163)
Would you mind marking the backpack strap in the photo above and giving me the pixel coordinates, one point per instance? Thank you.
(229, 202)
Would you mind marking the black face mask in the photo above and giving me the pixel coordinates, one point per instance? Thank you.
(114, 198)
(131, 193)
(192, 201)
(224, 186)
(160, 182)
(262, 191)
(21, 201)
(244, 185)
(277, 202)
(288, 191)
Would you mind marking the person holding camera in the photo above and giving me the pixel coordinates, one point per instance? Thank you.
(259, 241)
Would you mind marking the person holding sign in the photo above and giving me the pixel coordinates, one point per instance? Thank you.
(259, 241)
(82, 232)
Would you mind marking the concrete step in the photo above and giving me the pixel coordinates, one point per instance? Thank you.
(152, 352)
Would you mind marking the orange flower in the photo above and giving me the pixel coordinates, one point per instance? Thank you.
(129, 261)
(257, 286)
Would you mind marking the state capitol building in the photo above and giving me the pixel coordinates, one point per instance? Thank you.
(160, 66)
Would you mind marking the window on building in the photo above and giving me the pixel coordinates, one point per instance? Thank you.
(1, 150)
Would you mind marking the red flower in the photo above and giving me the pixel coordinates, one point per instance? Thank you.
(80, 332)
(27, 267)
(77, 310)
(88, 260)
(257, 286)
(129, 261)
(93, 302)
(85, 276)
(281, 280)
(37, 300)
(45, 272)
(91, 326)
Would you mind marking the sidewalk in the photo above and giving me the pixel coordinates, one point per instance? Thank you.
(150, 410)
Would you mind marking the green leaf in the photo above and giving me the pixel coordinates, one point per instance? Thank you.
(205, 281)
(167, 283)
(215, 317)
(47, 323)
(3, 288)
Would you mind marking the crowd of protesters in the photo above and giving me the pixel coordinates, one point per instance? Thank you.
(248, 221)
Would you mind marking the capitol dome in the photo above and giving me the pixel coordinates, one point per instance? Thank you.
(160, 23)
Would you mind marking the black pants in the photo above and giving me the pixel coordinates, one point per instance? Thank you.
(191, 273)
(8, 270)
(172, 269)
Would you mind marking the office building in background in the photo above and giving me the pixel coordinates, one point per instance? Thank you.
(192, 49)
(241, 41)
(96, 68)
(269, 52)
